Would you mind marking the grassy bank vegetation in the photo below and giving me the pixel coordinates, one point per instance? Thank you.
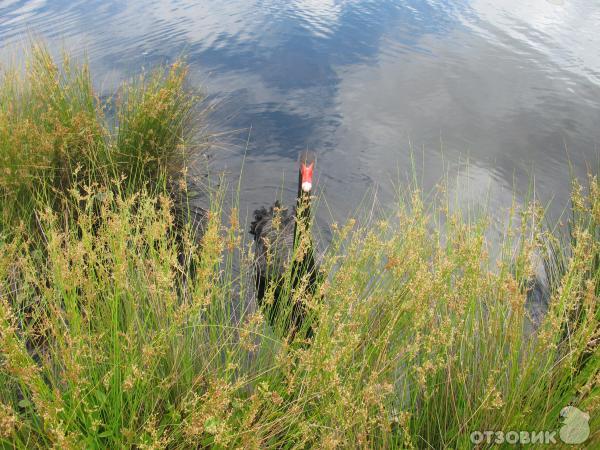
(110, 339)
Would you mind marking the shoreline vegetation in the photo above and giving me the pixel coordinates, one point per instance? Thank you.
(124, 325)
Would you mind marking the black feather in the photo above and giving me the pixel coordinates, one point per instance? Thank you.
(276, 238)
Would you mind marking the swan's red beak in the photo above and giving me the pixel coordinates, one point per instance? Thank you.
(306, 170)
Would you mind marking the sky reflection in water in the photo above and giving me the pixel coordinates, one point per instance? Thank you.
(513, 88)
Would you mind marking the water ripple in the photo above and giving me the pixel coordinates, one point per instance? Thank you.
(511, 84)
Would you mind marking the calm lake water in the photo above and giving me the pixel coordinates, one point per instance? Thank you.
(511, 86)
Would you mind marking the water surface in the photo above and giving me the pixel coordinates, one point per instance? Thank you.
(513, 88)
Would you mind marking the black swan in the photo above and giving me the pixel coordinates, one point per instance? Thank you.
(285, 259)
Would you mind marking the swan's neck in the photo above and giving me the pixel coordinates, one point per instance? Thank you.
(302, 211)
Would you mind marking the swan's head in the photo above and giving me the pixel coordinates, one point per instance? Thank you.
(307, 165)
(307, 174)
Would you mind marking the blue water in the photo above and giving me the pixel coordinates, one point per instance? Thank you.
(512, 87)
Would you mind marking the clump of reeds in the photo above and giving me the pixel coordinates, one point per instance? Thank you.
(420, 335)
(54, 133)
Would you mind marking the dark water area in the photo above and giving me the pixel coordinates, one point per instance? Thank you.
(511, 87)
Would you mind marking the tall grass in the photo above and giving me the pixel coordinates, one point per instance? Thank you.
(420, 335)
(54, 133)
